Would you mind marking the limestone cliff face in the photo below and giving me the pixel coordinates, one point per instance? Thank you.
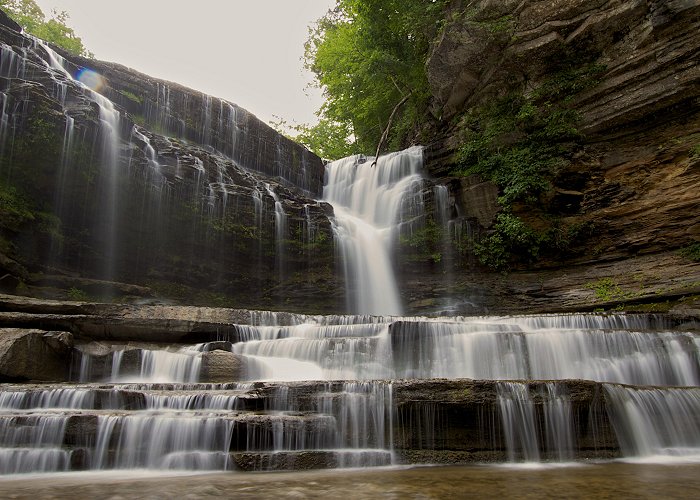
(141, 181)
(634, 177)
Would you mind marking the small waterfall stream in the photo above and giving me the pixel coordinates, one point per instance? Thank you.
(657, 424)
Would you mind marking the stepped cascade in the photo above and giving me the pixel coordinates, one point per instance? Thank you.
(335, 391)
(160, 189)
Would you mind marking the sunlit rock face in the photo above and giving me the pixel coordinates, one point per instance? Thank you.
(114, 177)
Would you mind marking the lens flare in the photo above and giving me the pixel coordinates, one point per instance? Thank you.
(91, 79)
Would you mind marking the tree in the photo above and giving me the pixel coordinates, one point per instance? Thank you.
(328, 139)
(369, 56)
(32, 20)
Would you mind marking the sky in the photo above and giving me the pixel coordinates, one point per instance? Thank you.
(245, 51)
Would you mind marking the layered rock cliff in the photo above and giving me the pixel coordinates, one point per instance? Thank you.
(623, 198)
(115, 184)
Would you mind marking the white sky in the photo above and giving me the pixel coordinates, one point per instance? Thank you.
(245, 51)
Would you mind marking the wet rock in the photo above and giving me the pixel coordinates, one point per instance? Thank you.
(33, 355)
(220, 366)
(286, 460)
(478, 200)
(92, 287)
(61, 342)
(453, 421)
(218, 345)
(79, 459)
(11, 267)
(8, 283)
(269, 431)
(80, 430)
(202, 151)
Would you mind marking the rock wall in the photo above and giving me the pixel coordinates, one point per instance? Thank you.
(459, 421)
(138, 187)
(628, 192)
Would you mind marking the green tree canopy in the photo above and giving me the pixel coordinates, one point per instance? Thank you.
(368, 55)
(32, 19)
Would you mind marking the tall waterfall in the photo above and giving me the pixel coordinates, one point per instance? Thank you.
(369, 200)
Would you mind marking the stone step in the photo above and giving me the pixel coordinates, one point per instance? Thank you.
(249, 431)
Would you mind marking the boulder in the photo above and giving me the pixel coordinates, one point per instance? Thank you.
(34, 355)
(220, 366)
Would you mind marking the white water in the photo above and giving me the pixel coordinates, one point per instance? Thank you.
(657, 424)
(153, 413)
(151, 366)
(164, 440)
(601, 348)
(280, 230)
(525, 436)
(518, 418)
(368, 201)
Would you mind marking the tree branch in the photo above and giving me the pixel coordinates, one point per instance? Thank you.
(388, 126)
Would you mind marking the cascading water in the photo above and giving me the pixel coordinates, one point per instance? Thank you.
(153, 412)
(518, 418)
(657, 424)
(368, 199)
(149, 407)
(110, 133)
(280, 229)
(138, 164)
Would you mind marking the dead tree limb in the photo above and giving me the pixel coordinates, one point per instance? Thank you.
(388, 126)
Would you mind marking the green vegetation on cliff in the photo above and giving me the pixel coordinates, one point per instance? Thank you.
(369, 56)
(520, 142)
(54, 30)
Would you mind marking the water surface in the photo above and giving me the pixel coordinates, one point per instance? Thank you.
(603, 480)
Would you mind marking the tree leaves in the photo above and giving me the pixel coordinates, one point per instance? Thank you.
(32, 19)
(368, 55)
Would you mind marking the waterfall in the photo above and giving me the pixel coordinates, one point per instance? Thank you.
(33, 444)
(164, 441)
(303, 390)
(558, 423)
(368, 200)
(518, 416)
(142, 365)
(280, 230)
(556, 348)
(657, 424)
(148, 407)
(109, 139)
